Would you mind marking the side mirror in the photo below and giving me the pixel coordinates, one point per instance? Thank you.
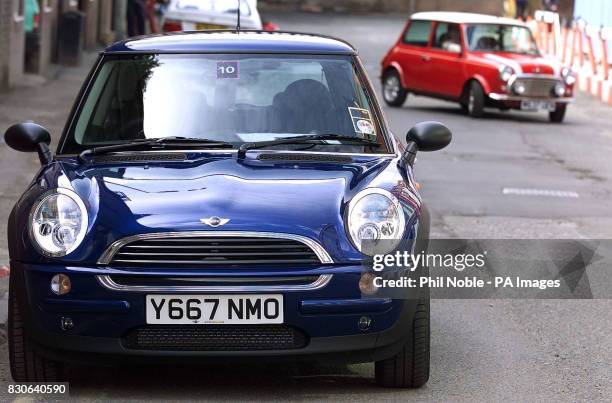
(452, 47)
(426, 136)
(30, 137)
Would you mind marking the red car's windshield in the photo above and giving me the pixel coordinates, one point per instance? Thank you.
(501, 38)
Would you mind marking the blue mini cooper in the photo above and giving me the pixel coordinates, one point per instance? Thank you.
(209, 199)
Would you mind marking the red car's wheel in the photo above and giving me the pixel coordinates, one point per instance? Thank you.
(475, 100)
(393, 92)
(558, 114)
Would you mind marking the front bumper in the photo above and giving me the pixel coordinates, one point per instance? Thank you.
(103, 317)
(517, 98)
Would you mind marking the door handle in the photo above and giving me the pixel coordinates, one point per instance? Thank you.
(425, 58)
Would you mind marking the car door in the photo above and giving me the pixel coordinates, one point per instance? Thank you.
(412, 53)
(446, 61)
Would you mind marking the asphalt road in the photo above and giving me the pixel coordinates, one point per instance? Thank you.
(482, 350)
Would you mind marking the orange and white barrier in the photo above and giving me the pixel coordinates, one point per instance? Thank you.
(582, 47)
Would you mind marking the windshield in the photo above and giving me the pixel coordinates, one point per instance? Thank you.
(230, 98)
(501, 38)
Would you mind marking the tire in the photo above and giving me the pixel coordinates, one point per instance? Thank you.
(475, 100)
(26, 364)
(558, 114)
(393, 92)
(410, 367)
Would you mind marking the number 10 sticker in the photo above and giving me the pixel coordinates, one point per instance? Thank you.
(227, 69)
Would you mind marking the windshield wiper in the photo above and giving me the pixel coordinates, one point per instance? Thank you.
(160, 142)
(305, 139)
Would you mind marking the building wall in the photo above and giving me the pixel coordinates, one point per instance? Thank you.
(90, 11)
(16, 45)
(597, 13)
(479, 6)
(97, 27)
(594, 12)
(105, 23)
(404, 6)
(47, 27)
(5, 25)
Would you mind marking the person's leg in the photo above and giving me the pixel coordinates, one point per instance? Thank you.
(520, 10)
(152, 16)
(140, 12)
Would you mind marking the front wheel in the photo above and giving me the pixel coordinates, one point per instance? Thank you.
(393, 92)
(475, 100)
(558, 114)
(410, 367)
(26, 364)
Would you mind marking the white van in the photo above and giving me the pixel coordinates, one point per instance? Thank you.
(197, 15)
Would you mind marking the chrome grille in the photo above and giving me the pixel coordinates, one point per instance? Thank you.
(212, 249)
(537, 87)
(188, 284)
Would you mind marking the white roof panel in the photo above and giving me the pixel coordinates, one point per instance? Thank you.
(464, 18)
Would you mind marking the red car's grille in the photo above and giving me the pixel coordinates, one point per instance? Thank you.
(537, 87)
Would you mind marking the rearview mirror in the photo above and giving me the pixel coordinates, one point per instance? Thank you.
(426, 136)
(30, 137)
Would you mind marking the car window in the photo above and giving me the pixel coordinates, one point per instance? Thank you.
(446, 34)
(501, 38)
(418, 33)
(232, 98)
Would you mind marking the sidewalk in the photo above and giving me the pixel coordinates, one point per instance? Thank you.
(47, 102)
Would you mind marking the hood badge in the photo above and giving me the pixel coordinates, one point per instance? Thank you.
(538, 69)
(214, 221)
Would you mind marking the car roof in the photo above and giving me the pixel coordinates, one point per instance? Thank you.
(464, 18)
(232, 41)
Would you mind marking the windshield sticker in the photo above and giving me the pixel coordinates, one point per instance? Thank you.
(362, 122)
(227, 69)
(365, 126)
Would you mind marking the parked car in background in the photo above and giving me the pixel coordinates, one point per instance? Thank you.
(197, 15)
(477, 60)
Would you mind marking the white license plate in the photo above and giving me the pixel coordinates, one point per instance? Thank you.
(530, 105)
(214, 309)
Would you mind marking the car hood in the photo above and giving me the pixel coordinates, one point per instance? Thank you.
(527, 64)
(302, 198)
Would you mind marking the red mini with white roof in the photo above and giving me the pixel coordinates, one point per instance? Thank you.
(478, 61)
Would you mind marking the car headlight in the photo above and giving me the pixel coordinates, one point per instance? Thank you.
(58, 222)
(375, 221)
(559, 89)
(568, 76)
(519, 87)
(505, 73)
